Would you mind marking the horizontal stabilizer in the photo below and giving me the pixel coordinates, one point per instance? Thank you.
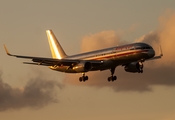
(43, 64)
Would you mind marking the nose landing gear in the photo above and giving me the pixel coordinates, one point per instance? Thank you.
(140, 67)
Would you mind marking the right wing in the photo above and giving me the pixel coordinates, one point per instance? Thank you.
(158, 56)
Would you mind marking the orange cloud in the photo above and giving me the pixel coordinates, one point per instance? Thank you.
(158, 72)
(165, 37)
(100, 40)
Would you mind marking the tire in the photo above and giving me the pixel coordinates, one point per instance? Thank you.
(109, 79)
(86, 78)
(80, 79)
(114, 78)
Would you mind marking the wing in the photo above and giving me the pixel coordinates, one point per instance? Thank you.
(158, 56)
(52, 61)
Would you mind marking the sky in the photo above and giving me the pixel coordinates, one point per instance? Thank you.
(36, 92)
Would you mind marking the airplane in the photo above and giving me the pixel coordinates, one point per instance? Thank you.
(131, 56)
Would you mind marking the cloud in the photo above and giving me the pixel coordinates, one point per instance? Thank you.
(164, 36)
(100, 40)
(37, 93)
(157, 72)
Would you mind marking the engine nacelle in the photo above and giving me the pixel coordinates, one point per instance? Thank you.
(82, 67)
(134, 67)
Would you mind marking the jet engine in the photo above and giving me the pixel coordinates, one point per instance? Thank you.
(134, 67)
(82, 67)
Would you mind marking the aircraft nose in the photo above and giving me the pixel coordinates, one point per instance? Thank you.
(151, 53)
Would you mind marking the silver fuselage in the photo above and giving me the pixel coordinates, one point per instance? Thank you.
(112, 57)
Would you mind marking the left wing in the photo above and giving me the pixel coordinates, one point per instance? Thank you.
(52, 61)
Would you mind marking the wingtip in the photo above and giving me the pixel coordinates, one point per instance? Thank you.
(6, 50)
(161, 52)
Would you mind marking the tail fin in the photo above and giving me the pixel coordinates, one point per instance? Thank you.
(55, 47)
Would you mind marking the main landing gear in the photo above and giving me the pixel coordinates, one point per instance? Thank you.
(112, 77)
(83, 78)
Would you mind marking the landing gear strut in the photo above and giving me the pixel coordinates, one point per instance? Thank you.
(140, 67)
(83, 78)
(112, 77)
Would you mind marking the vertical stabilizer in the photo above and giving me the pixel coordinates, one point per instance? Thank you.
(55, 47)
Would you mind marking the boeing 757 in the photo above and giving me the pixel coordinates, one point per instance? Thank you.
(131, 56)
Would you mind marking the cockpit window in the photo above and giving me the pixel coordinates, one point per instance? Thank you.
(148, 47)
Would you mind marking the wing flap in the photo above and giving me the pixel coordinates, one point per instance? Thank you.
(51, 61)
(32, 63)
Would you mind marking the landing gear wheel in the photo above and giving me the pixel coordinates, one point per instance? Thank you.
(80, 79)
(86, 77)
(115, 77)
(109, 79)
(141, 71)
(112, 78)
(83, 78)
